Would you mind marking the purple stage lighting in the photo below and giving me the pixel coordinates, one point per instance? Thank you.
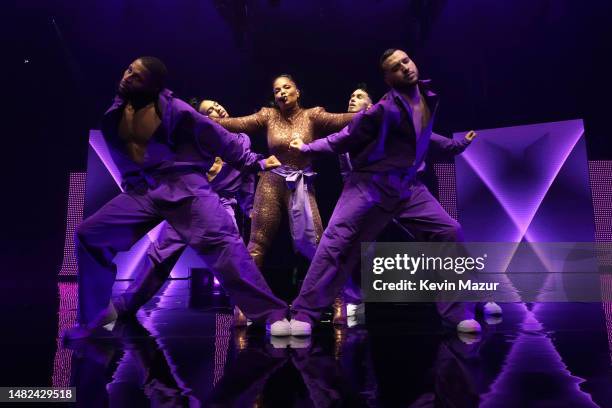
(74, 216)
(519, 183)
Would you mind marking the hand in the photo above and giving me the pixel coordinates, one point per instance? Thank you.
(271, 163)
(470, 135)
(296, 144)
(214, 169)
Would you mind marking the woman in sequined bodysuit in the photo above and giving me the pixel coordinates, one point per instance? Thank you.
(280, 191)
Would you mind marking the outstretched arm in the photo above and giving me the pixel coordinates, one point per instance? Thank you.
(214, 140)
(247, 124)
(326, 123)
(363, 128)
(450, 146)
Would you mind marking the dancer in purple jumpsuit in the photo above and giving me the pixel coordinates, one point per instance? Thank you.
(350, 302)
(233, 187)
(387, 146)
(163, 148)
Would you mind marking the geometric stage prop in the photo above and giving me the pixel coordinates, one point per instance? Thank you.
(526, 183)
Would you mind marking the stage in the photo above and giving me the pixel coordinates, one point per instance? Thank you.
(161, 156)
(180, 354)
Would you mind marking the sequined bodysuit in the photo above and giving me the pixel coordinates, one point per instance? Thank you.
(272, 195)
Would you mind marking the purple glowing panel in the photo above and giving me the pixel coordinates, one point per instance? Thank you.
(74, 216)
(103, 183)
(520, 183)
(601, 189)
(606, 288)
(103, 177)
(447, 189)
(223, 331)
(68, 297)
(98, 144)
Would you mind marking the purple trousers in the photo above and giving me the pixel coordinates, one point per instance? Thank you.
(162, 256)
(367, 204)
(170, 242)
(189, 205)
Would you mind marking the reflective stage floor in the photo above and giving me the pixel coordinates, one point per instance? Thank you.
(181, 350)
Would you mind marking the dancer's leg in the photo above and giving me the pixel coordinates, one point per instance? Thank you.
(424, 217)
(113, 228)
(334, 257)
(162, 256)
(202, 222)
(266, 215)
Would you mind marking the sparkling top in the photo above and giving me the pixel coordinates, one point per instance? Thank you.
(306, 124)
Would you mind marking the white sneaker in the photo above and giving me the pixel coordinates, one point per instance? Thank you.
(469, 326)
(492, 309)
(279, 328)
(469, 338)
(110, 326)
(355, 309)
(492, 320)
(358, 319)
(299, 328)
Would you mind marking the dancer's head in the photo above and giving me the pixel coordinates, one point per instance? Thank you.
(146, 76)
(398, 69)
(212, 109)
(360, 99)
(286, 92)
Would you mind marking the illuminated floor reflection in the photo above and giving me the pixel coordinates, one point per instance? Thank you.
(182, 350)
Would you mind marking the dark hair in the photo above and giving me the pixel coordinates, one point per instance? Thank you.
(289, 77)
(157, 68)
(364, 87)
(385, 55)
(194, 102)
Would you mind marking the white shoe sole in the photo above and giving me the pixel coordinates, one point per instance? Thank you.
(279, 330)
(492, 309)
(472, 327)
(280, 333)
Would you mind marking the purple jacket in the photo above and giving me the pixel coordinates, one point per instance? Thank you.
(440, 143)
(383, 140)
(235, 186)
(185, 138)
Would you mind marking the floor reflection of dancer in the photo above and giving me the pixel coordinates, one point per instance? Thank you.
(387, 144)
(289, 188)
(163, 149)
(233, 187)
(251, 379)
(145, 371)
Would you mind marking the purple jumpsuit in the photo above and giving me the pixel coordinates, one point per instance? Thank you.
(386, 154)
(171, 185)
(234, 188)
(352, 292)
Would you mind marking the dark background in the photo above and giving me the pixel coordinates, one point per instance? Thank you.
(494, 63)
